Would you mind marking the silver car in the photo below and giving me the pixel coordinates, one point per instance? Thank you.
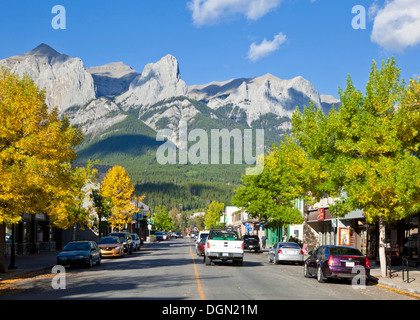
(286, 251)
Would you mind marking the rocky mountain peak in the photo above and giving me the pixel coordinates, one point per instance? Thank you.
(43, 50)
(158, 81)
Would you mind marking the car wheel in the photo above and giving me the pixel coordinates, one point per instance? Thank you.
(275, 261)
(269, 259)
(98, 263)
(90, 262)
(207, 260)
(319, 275)
(305, 271)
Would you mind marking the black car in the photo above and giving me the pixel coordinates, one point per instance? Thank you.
(80, 253)
(126, 239)
(252, 243)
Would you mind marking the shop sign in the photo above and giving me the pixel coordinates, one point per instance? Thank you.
(321, 214)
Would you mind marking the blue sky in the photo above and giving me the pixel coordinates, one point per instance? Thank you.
(212, 39)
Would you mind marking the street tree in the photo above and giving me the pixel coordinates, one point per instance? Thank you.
(102, 207)
(367, 149)
(270, 196)
(213, 214)
(119, 189)
(36, 151)
(161, 219)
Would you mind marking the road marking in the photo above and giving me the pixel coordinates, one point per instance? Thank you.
(200, 289)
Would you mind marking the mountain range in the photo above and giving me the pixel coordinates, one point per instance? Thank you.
(120, 111)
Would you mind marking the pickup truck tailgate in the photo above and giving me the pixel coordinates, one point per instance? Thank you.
(224, 246)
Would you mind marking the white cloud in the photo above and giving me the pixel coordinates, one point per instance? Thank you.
(265, 48)
(207, 12)
(397, 25)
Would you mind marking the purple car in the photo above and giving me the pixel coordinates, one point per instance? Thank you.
(329, 262)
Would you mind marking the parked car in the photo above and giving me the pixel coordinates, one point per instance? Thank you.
(136, 241)
(111, 247)
(252, 242)
(80, 253)
(285, 252)
(126, 239)
(328, 262)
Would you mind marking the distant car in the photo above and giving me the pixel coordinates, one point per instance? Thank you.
(194, 235)
(178, 235)
(126, 239)
(252, 242)
(165, 235)
(136, 241)
(329, 262)
(159, 236)
(286, 252)
(111, 247)
(80, 253)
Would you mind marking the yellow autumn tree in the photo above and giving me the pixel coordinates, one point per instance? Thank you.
(117, 186)
(36, 149)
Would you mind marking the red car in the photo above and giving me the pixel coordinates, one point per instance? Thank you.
(200, 247)
(328, 262)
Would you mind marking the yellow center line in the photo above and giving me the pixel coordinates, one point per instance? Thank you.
(200, 289)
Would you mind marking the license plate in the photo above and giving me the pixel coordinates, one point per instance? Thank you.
(349, 264)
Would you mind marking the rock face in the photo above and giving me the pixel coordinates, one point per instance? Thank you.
(158, 81)
(258, 96)
(65, 79)
(112, 79)
(100, 97)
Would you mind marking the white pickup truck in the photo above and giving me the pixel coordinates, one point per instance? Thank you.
(223, 243)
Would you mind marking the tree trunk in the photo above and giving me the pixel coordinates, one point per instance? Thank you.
(2, 248)
(382, 257)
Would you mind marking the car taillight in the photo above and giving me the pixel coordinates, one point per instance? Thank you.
(242, 246)
(279, 252)
(202, 246)
(208, 245)
(367, 263)
(330, 261)
(301, 252)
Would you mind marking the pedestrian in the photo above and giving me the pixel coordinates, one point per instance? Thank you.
(304, 249)
(263, 239)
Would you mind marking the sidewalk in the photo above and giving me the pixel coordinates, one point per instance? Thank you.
(30, 263)
(410, 284)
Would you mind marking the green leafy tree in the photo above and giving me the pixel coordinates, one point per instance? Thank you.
(366, 150)
(270, 195)
(162, 220)
(213, 214)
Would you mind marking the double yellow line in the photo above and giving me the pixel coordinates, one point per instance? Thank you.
(200, 289)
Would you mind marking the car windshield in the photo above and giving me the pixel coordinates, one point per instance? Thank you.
(343, 251)
(119, 235)
(223, 235)
(251, 237)
(289, 245)
(77, 246)
(108, 240)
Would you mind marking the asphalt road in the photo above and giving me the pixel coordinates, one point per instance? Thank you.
(172, 270)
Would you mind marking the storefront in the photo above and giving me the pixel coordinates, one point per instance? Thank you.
(322, 228)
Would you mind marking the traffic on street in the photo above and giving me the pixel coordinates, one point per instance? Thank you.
(173, 269)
